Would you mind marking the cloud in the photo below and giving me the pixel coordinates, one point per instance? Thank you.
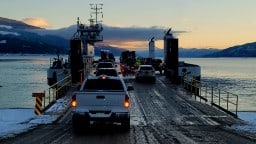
(131, 37)
(134, 37)
(38, 22)
(128, 44)
(122, 37)
(132, 33)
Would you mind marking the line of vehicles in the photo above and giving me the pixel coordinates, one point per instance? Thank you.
(143, 69)
(129, 63)
(104, 96)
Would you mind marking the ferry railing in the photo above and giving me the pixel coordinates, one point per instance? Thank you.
(222, 99)
(55, 91)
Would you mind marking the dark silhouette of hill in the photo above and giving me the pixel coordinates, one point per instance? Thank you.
(186, 53)
(16, 24)
(115, 51)
(18, 37)
(245, 50)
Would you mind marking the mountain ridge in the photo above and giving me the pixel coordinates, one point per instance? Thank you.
(18, 37)
(16, 24)
(244, 50)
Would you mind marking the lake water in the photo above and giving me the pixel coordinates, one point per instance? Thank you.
(20, 76)
(236, 75)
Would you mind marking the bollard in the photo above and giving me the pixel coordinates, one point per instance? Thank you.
(39, 100)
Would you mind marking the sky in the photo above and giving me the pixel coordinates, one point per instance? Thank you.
(204, 23)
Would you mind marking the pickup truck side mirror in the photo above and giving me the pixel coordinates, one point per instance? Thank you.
(130, 88)
(78, 87)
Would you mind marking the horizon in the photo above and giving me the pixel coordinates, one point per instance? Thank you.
(205, 23)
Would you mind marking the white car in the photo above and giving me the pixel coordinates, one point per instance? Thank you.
(145, 72)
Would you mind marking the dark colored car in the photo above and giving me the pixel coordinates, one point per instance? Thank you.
(106, 71)
(157, 64)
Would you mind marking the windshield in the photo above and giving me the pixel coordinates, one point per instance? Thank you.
(107, 72)
(105, 65)
(103, 84)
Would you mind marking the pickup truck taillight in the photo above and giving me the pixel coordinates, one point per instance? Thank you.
(73, 102)
(126, 102)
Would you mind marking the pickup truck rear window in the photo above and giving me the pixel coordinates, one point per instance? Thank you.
(103, 84)
(106, 72)
(105, 65)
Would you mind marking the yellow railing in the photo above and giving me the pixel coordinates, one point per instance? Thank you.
(217, 97)
(56, 91)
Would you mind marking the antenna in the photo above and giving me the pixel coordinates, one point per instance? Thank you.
(96, 10)
(92, 33)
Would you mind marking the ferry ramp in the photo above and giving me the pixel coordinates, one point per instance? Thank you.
(161, 112)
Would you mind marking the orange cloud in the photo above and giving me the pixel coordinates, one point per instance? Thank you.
(133, 44)
(38, 22)
(159, 44)
(128, 44)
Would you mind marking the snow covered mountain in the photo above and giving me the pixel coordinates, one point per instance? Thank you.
(18, 37)
(183, 52)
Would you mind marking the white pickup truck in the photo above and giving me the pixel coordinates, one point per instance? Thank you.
(101, 98)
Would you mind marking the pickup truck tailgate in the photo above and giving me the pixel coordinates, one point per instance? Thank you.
(100, 99)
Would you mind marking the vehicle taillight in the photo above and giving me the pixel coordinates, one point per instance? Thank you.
(73, 102)
(126, 102)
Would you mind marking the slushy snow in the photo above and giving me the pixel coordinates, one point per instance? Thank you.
(15, 121)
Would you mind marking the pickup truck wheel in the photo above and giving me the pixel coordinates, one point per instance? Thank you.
(126, 125)
(80, 124)
(76, 124)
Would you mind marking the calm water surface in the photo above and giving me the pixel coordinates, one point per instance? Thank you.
(236, 75)
(19, 77)
(22, 75)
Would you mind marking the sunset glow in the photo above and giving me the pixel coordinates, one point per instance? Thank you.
(207, 23)
(38, 22)
(134, 45)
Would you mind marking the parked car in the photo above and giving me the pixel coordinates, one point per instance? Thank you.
(102, 98)
(106, 71)
(146, 73)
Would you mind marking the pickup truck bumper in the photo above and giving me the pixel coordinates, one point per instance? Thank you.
(103, 116)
